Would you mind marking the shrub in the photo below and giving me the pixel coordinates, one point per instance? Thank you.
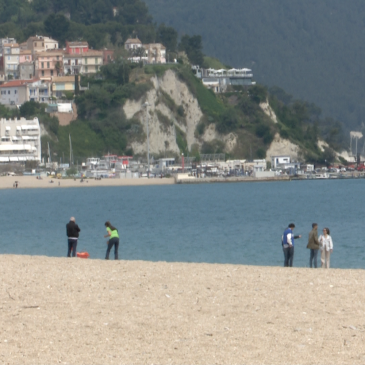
(261, 153)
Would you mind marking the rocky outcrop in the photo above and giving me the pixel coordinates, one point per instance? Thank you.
(282, 147)
(171, 106)
(268, 111)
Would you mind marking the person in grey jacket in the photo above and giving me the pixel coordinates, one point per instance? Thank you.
(313, 245)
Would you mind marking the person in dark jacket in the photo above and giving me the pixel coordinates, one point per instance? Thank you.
(72, 230)
(287, 242)
(313, 245)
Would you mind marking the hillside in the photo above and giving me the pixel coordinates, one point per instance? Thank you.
(185, 117)
(314, 50)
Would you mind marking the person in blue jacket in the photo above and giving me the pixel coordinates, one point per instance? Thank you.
(288, 245)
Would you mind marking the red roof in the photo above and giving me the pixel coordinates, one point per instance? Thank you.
(16, 83)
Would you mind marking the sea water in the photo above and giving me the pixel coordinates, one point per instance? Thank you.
(238, 223)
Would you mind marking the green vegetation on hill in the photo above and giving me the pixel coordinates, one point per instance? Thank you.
(92, 21)
(312, 49)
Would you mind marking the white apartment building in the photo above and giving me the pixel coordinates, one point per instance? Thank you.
(20, 140)
(277, 161)
(11, 53)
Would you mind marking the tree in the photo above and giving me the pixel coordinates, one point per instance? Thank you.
(56, 26)
(168, 37)
(58, 67)
(193, 48)
(258, 93)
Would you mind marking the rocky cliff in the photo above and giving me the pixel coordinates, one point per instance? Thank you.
(172, 109)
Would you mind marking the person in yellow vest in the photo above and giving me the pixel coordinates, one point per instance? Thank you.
(113, 240)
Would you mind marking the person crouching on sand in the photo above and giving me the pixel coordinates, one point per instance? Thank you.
(326, 245)
(113, 240)
(313, 245)
(72, 231)
(288, 245)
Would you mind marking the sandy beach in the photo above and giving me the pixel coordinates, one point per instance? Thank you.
(75, 311)
(6, 182)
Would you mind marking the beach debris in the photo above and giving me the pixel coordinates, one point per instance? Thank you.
(331, 286)
(31, 307)
(209, 334)
(10, 295)
(168, 296)
(353, 328)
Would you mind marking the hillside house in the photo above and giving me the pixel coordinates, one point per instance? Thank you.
(18, 92)
(132, 44)
(25, 56)
(108, 56)
(155, 52)
(49, 64)
(26, 70)
(6, 41)
(11, 60)
(41, 44)
(72, 63)
(91, 61)
(62, 84)
(76, 47)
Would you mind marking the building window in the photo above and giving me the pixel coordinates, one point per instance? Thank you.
(15, 91)
(47, 64)
(42, 73)
(85, 61)
(51, 72)
(96, 61)
(86, 69)
(58, 57)
(8, 92)
(42, 64)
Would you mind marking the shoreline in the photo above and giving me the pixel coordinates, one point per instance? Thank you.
(30, 182)
(60, 310)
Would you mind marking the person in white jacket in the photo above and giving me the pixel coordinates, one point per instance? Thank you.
(326, 246)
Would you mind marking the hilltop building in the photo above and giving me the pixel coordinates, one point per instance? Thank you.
(219, 80)
(20, 140)
(152, 53)
(132, 44)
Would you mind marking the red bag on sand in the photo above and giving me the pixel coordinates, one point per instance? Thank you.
(83, 255)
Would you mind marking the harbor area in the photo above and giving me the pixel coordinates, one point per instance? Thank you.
(75, 311)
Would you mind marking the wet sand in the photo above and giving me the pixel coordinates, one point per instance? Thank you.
(74, 311)
(6, 182)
